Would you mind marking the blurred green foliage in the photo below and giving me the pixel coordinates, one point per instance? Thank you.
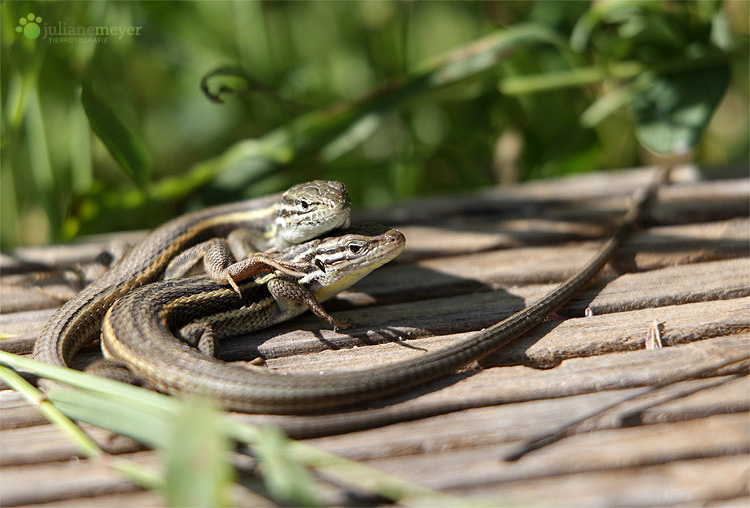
(117, 134)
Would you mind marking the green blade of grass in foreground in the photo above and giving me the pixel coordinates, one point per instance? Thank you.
(149, 417)
(135, 472)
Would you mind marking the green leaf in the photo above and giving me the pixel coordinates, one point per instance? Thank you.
(118, 414)
(606, 105)
(197, 467)
(338, 129)
(721, 35)
(673, 110)
(125, 145)
(86, 446)
(286, 477)
(81, 169)
(149, 417)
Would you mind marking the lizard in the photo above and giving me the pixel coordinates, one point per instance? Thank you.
(137, 330)
(302, 212)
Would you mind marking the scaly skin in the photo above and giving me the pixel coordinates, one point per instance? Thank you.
(137, 331)
(303, 212)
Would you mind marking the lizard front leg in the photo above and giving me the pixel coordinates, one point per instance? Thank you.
(286, 291)
(219, 264)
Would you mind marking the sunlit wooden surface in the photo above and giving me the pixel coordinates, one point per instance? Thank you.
(671, 425)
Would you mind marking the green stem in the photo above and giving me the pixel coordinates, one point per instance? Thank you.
(318, 128)
(86, 446)
(383, 484)
(519, 85)
(162, 407)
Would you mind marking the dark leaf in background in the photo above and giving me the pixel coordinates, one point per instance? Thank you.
(349, 91)
(126, 146)
(673, 110)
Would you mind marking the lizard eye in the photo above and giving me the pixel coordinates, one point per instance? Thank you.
(321, 266)
(354, 248)
(304, 204)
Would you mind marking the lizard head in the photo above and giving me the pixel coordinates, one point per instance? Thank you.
(309, 210)
(346, 256)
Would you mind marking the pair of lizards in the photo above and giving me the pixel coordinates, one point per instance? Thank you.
(281, 284)
(297, 273)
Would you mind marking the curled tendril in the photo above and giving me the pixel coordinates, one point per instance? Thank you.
(234, 81)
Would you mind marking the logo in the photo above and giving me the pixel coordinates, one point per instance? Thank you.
(61, 32)
(29, 26)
